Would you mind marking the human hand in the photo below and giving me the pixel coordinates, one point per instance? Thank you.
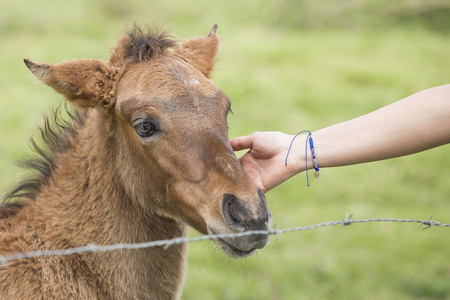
(264, 163)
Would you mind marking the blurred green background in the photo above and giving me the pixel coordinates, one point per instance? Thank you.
(287, 66)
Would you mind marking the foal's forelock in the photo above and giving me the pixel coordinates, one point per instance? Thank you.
(137, 46)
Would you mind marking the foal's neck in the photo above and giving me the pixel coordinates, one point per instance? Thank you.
(85, 203)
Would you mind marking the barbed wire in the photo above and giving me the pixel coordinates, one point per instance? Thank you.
(5, 259)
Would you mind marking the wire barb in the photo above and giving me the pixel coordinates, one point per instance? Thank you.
(429, 223)
(347, 220)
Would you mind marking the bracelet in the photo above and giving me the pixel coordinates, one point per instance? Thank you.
(313, 153)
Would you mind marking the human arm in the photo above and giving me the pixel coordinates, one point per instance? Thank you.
(413, 124)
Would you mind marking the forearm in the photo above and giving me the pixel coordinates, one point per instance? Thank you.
(416, 123)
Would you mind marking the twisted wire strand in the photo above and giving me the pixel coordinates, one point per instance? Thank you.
(5, 259)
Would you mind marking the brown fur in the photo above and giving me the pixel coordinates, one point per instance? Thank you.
(99, 181)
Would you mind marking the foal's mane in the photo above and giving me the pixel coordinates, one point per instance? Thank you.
(56, 133)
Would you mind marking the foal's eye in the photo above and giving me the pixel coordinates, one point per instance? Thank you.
(145, 128)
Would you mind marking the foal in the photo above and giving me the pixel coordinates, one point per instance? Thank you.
(146, 152)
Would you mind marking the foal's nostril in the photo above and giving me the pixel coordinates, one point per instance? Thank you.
(233, 215)
(232, 210)
(240, 216)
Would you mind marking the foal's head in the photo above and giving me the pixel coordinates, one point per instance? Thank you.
(166, 129)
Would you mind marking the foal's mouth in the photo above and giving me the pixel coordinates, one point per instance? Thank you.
(230, 249)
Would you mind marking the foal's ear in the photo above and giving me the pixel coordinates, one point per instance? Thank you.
(85, 83)
(200, 51)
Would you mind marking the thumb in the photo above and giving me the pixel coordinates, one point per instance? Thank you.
(241, 143)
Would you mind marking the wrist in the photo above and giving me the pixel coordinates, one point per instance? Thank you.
(296, 161)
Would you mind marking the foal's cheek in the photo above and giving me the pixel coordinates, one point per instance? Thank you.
(188, 204)
(178, 165)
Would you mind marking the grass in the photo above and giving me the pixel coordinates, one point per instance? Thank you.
(286, 67)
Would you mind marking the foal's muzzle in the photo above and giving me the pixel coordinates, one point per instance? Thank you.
(241, 216)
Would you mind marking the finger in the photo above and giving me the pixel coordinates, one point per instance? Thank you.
(241, 143)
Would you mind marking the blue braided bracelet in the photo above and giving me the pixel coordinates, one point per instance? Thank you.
(313, 153)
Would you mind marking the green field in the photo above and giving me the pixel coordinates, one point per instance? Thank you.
(286, 66)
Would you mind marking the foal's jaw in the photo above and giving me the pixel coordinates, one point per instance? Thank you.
(225, 201)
